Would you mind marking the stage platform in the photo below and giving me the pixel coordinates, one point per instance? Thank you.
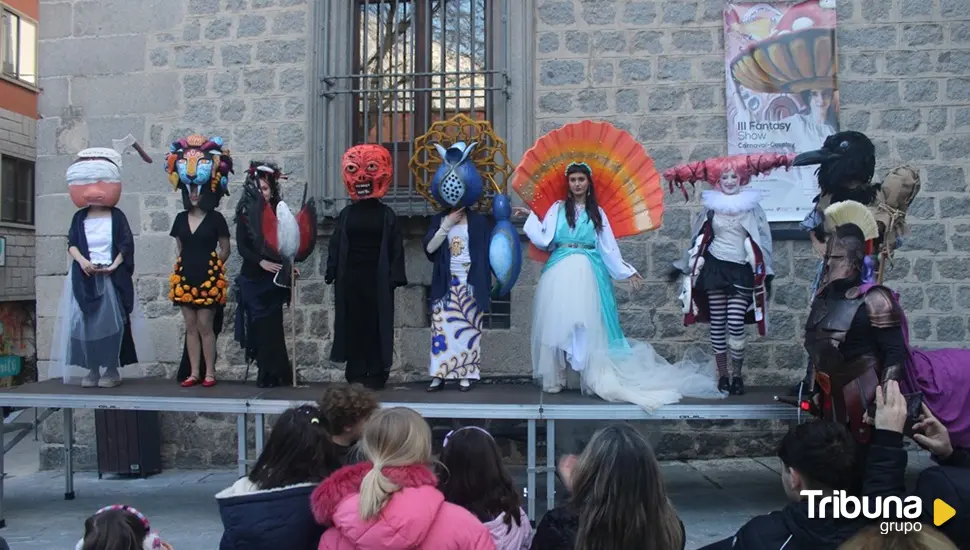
(486, 401)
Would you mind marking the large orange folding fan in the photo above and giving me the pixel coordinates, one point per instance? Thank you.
(626, 181)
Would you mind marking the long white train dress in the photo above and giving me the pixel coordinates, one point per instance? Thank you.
(575, 321)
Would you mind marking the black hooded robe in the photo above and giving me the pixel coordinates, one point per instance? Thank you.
(365, 262)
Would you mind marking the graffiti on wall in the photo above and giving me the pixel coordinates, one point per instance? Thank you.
(16, 329)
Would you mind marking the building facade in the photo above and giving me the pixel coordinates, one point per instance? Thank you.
(298, 81)
(18, 153)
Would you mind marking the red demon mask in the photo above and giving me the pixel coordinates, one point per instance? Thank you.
(367, 171)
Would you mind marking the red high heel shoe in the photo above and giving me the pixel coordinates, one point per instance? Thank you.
(209, 382)
(190, 381)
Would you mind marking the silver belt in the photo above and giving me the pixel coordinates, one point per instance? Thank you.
(577, 245)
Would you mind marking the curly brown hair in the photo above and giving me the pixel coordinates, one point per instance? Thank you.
(344, 405)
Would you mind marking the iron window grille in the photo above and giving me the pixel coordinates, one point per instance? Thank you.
(16, 190)
(18, 47)
(410, 63)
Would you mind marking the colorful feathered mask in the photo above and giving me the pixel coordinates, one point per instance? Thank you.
(200, 167)
(367, 171)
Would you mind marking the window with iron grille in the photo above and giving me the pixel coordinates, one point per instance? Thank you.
(16, 190)
(410, 63)
(18, 47)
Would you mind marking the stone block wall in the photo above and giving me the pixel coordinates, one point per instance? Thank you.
(240, 68)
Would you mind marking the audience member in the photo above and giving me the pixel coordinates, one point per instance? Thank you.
(949, 482)
(617, 499)
(871, 538)
(346, 408)
(475, 478)
(270, 508)
(816, 455)
(119, 527)
(392, 500)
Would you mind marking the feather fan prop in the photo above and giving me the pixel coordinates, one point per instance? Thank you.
(625, 179)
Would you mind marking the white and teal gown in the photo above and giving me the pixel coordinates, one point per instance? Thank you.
(575, 322)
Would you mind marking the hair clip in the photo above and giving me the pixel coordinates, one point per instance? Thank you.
(583, 164)
(453, 432)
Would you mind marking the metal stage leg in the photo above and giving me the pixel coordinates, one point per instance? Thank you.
(550, 464)
(532, 469)
(259, 433)
(68, 454)
(241, 445)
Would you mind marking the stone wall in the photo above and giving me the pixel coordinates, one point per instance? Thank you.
(240, 69)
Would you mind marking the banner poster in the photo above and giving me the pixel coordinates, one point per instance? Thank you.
(782, 92)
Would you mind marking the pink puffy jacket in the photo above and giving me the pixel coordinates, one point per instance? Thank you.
(416, 517)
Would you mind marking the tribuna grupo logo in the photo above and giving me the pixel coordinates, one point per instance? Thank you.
(897, 514)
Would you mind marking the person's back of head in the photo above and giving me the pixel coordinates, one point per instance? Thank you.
(346, 407)
(299, 450)
(392, 437)
(619, 495)
(475, 477)
(872, 538)
(118, 527)
(817, 455)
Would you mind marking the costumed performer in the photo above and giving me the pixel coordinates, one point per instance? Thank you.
(199, 167)
(457, 243)
(857, 338)
(365, 263)
(846, 166)
(728, 268)
(99, 319)
(575, 319)
(270, 240)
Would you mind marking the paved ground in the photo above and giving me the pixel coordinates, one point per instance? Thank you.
(713, 498)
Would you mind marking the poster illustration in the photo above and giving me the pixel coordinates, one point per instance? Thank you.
(782, 92)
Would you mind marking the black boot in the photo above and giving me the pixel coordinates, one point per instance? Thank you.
(724, 384)
(737, 384)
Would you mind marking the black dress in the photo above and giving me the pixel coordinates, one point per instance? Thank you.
(365, 264)
(199, 279)
(259, 314)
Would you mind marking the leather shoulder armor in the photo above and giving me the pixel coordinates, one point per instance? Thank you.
(883, 309)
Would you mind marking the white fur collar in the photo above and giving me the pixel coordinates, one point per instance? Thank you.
(721, 203)
(243, 486)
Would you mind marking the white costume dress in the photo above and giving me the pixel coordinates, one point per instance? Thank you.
(575, 320)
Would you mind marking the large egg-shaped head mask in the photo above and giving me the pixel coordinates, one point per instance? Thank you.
(95, 178)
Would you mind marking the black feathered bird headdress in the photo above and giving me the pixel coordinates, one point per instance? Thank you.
(846, 164)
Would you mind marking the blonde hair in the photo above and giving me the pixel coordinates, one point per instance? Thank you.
(392, 437)
(871, 538)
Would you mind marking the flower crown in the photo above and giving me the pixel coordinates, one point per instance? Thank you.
(583, 164)
(152, 540)
(266, 168)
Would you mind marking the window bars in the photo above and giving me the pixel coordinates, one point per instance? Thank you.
(393, 67)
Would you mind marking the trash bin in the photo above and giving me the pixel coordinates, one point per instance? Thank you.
(129, 442)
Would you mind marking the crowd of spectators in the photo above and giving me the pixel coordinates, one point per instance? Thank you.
(347, 475)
